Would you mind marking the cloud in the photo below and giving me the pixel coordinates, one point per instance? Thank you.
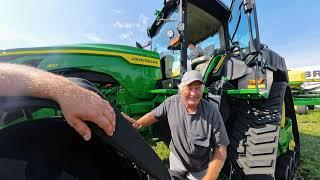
(93, 37)
(117, 11)
(13, 39)
(123, 25)
(128, 36)
(142, 23)
(133, 30)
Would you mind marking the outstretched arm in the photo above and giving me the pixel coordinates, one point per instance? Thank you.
(145, 120)
(77, 104)
(216, 164)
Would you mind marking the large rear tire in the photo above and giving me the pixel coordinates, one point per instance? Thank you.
(254, 135)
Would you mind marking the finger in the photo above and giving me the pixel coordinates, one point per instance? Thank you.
(111, 112)
(136, 126)
(104, 123)
(80, 127)
(125, 115)
(128, 118)
(132, 121)
(109, 118)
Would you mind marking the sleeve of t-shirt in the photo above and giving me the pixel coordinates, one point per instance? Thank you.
(220, 136)
(161, 110)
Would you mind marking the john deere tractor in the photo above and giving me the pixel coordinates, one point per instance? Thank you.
(244, 77)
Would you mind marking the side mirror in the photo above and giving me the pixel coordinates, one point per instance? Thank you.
(138, 45)
(165, 1)
(148, 32)
(248, 6)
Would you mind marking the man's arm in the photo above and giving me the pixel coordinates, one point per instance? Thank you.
(145, 120)
(220, 141)
(155, 115)
(77, 104)
(216, 164)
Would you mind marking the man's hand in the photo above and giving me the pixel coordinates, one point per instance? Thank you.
(216, 164)
(131, 120)
(81, 105)
(77, 104)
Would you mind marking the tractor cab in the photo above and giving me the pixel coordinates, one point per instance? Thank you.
(228, 35)
(182, 22)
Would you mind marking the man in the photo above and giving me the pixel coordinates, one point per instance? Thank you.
(77, 104)
(196, 128)
(195, 51)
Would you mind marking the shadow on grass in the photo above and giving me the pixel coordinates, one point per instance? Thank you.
(309, 167)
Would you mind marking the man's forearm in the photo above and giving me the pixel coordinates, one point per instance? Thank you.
(147, 119)
(216, 163)
(19, 80)
(77, 104)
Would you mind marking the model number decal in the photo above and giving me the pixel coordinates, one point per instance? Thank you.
(52, 65)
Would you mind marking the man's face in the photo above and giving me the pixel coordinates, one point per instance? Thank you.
(192, 94)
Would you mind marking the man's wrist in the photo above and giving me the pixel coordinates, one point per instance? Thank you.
(68, 91)
(137, 125)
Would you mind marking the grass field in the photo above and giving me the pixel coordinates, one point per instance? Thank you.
(309, 127)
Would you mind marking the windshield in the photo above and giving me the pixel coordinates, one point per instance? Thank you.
(210, 44)
(227, 3)
(160, 40)
(241, 35)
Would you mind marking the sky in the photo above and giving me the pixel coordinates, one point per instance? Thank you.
(289, 27)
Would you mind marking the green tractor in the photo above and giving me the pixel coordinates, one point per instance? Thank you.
(247, 79)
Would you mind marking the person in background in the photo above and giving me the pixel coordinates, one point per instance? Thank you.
(195, 51)
(198, 146)
(77, 104)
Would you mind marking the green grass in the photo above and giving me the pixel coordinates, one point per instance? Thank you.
(162, 151)
(309, 127)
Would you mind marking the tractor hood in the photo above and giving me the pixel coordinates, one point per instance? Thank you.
(131, 54)
(94, 47)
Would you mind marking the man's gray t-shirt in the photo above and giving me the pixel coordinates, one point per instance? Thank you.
(193, 135)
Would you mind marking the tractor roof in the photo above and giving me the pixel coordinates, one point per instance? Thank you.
(204, 17)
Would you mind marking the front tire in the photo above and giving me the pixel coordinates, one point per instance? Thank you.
(254, 134)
